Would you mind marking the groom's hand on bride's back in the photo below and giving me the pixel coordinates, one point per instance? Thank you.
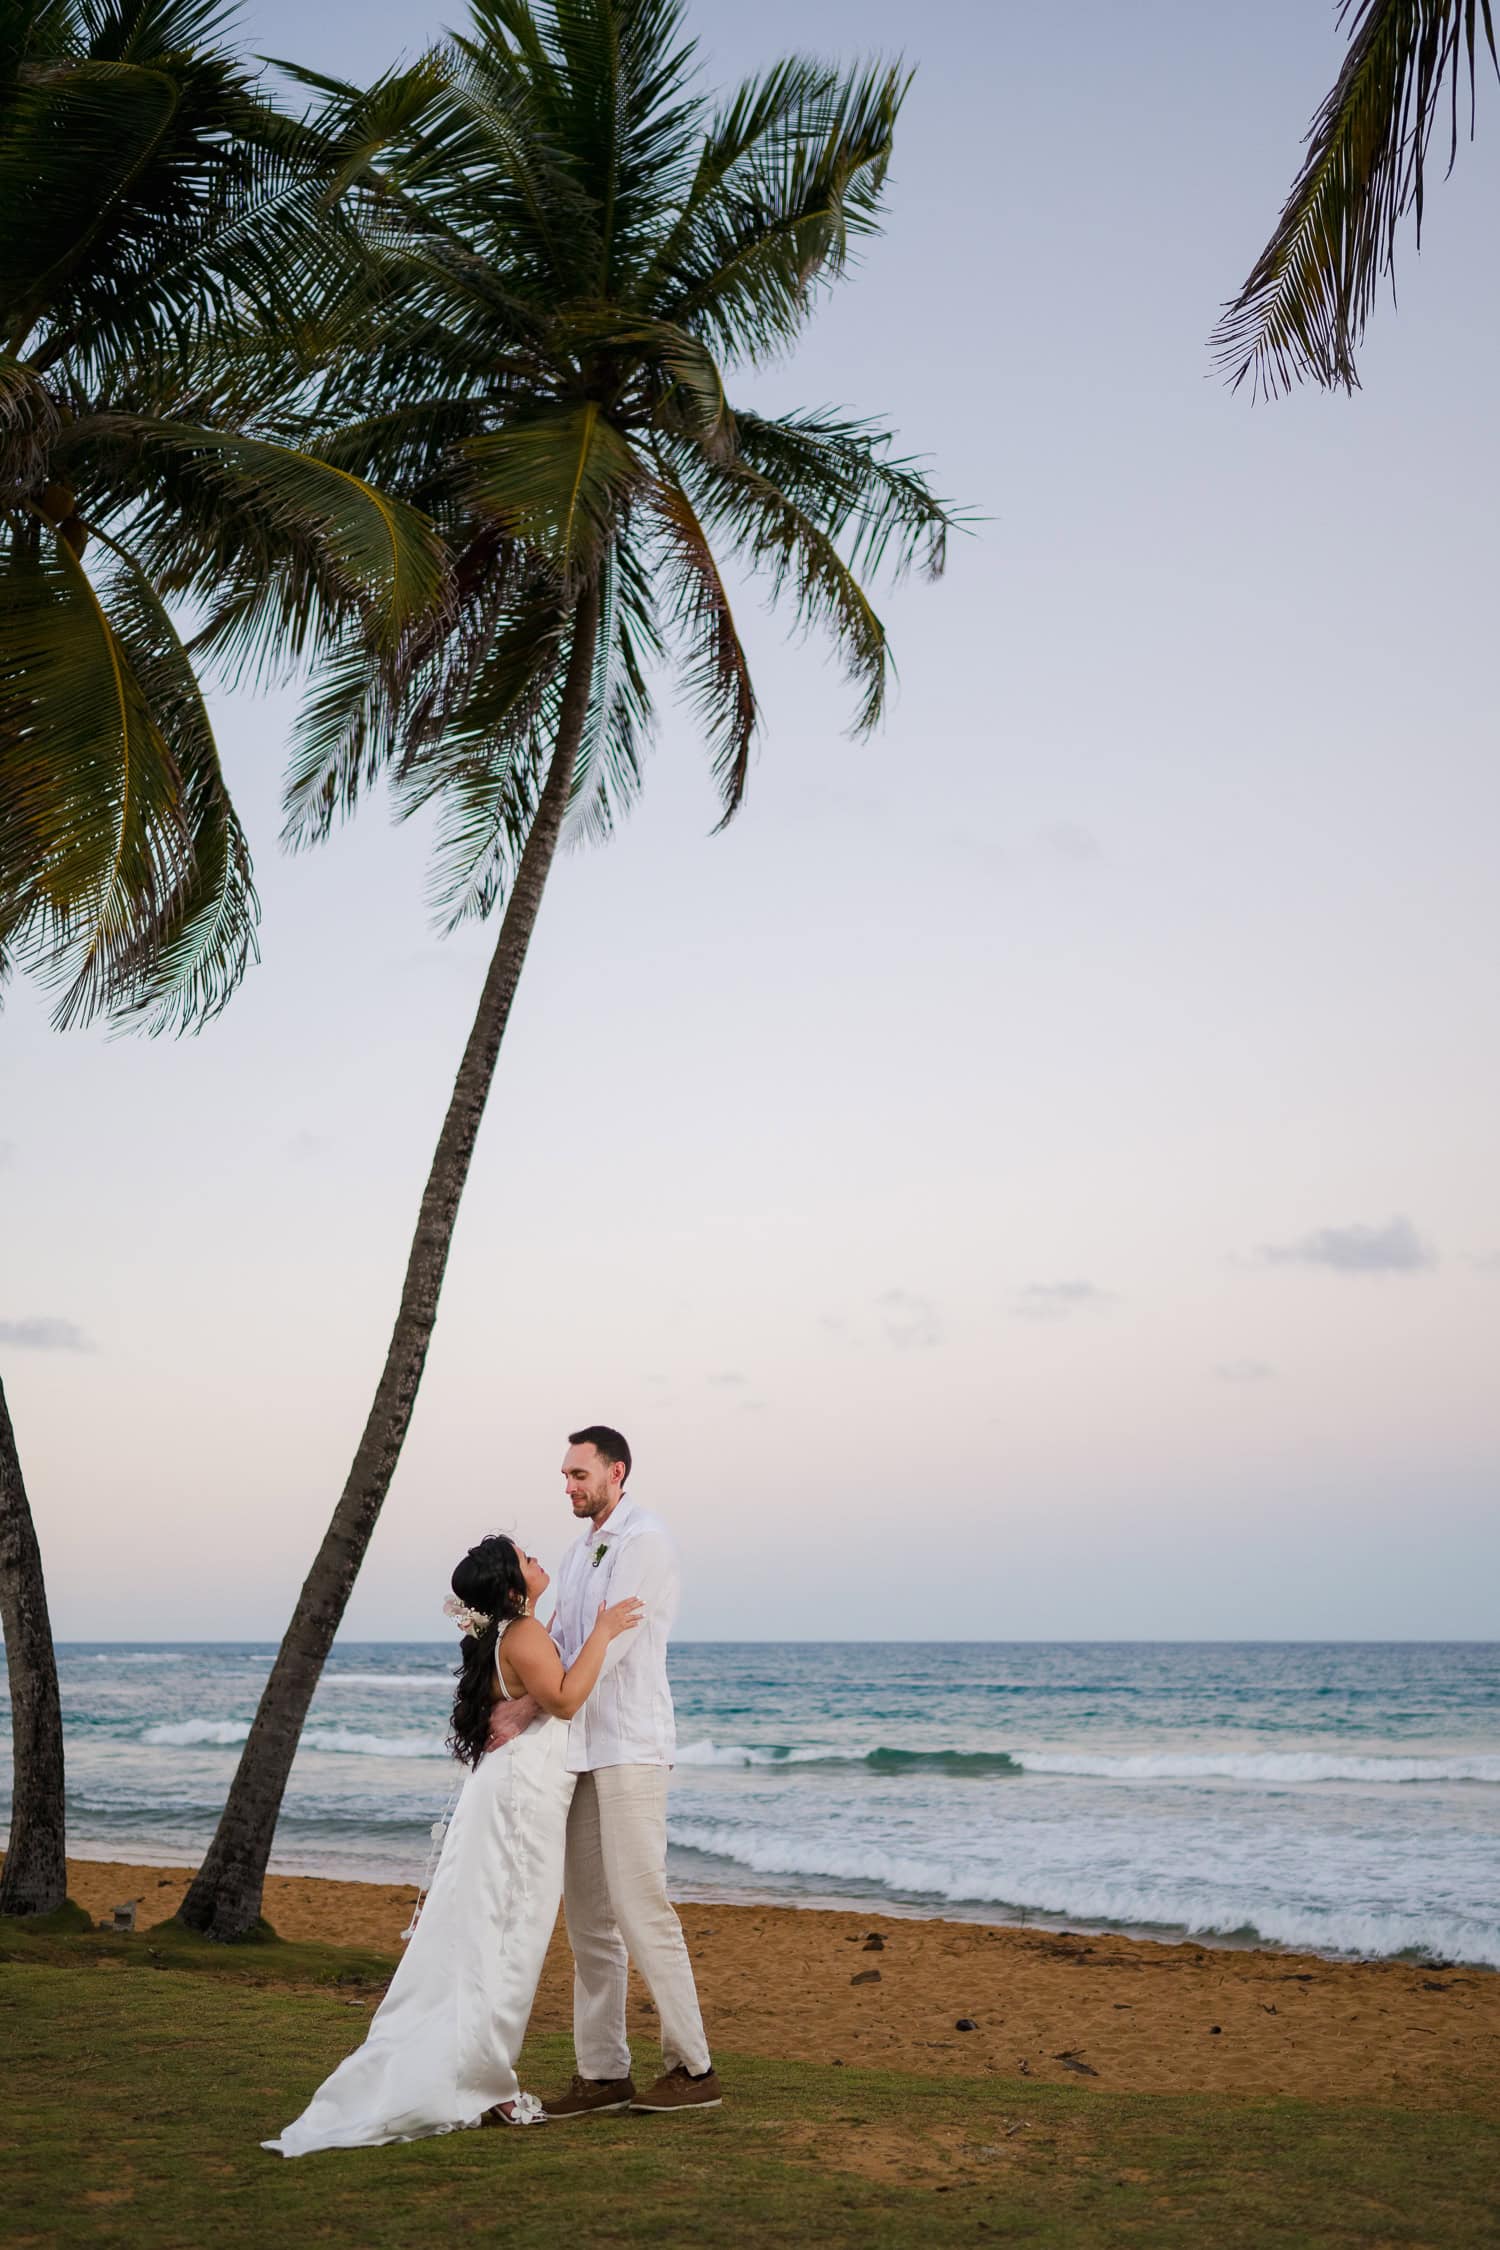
(510, 1718)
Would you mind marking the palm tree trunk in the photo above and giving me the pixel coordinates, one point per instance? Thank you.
(35, 1877)
(225, 1896)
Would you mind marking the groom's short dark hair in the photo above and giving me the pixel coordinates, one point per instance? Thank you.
(607, 1443)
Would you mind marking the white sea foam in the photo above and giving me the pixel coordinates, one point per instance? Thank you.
(1090, 1897)
(355, 1745)
(182, 1733)
(1256, 1765)
(127, 1656)
(388, 1679)
(737, 1754)
(225, 1733)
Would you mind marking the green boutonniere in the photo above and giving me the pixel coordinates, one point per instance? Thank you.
(600, 1552)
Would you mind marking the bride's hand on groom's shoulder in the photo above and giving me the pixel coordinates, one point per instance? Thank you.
(616, 1618)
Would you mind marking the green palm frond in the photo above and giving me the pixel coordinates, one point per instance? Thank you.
(456, 685)
(484, 759)
(29, 424)
(673, 367)
(622, 718)
(378, 552)
(170, 271)
(341, 746)
(502, 85)
(716, 676)
(1304, 308)
(776, 102)
(152, 199)
(278, 550)
(841, 473)
(772, 535)
(788, 221)
(357, 125)
(188, 968)
(74, 143)
(592, 800)
(571, 250)
(622, 105)
(557, 479)
(95, 850)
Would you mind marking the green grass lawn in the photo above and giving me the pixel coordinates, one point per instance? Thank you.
(140, 2075)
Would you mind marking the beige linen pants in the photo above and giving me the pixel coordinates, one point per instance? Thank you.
(615, 1900)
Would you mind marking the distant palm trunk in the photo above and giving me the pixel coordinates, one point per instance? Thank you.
(225, 1896)
(35, 1877)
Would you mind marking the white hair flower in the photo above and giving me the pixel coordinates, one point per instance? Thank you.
(467, 1620)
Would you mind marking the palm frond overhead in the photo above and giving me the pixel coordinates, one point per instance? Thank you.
(784, 224)
(772, 535)
(370, 551)
(482, 753)
(191, 964)
(716, 676)
(841, 472)
(556, 479)
(94, 840)
(170, 269)
(1302, 312)
(571, 249)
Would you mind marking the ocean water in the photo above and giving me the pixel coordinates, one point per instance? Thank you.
(1342, 1797)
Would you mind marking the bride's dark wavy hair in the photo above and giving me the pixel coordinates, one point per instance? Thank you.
(488, 1579)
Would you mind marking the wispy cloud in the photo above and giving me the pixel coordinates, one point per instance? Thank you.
(731, 1379)
(7, 1153)
(1244, 1371)
(1489, 1263)
(1056, 1300)
(1067, 839)
(1394, 1248)
(911, 1323)
(306, 1148)
(41, 1334)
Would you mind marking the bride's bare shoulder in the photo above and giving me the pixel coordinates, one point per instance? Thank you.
(526, 1637)
(526, 1631)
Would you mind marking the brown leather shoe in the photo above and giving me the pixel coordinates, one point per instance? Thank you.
(591, 2097)
(679, 2089)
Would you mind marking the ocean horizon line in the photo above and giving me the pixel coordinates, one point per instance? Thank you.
(850, 1640)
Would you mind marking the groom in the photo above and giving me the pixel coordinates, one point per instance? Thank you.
(621, 1746)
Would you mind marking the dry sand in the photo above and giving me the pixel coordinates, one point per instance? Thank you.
(798, 1983)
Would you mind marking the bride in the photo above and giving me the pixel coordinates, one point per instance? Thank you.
(442, 2046)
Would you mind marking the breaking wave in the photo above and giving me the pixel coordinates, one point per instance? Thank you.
(978, 1763)
(1174, 1765)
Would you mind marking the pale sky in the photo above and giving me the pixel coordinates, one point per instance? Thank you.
(1034, 1176)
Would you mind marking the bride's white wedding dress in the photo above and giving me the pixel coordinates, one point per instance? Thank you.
(443, 2043)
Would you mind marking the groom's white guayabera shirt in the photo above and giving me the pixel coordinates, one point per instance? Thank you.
(628, 1720)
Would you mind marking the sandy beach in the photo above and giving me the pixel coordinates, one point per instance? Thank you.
(816, 1986)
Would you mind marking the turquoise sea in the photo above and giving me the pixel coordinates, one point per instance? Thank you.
(1338, 1796)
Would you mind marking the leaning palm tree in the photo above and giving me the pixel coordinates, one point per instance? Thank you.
(159, 226)
(1303, 310)
(570, 253)
(158, 222)
(34, 1879)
